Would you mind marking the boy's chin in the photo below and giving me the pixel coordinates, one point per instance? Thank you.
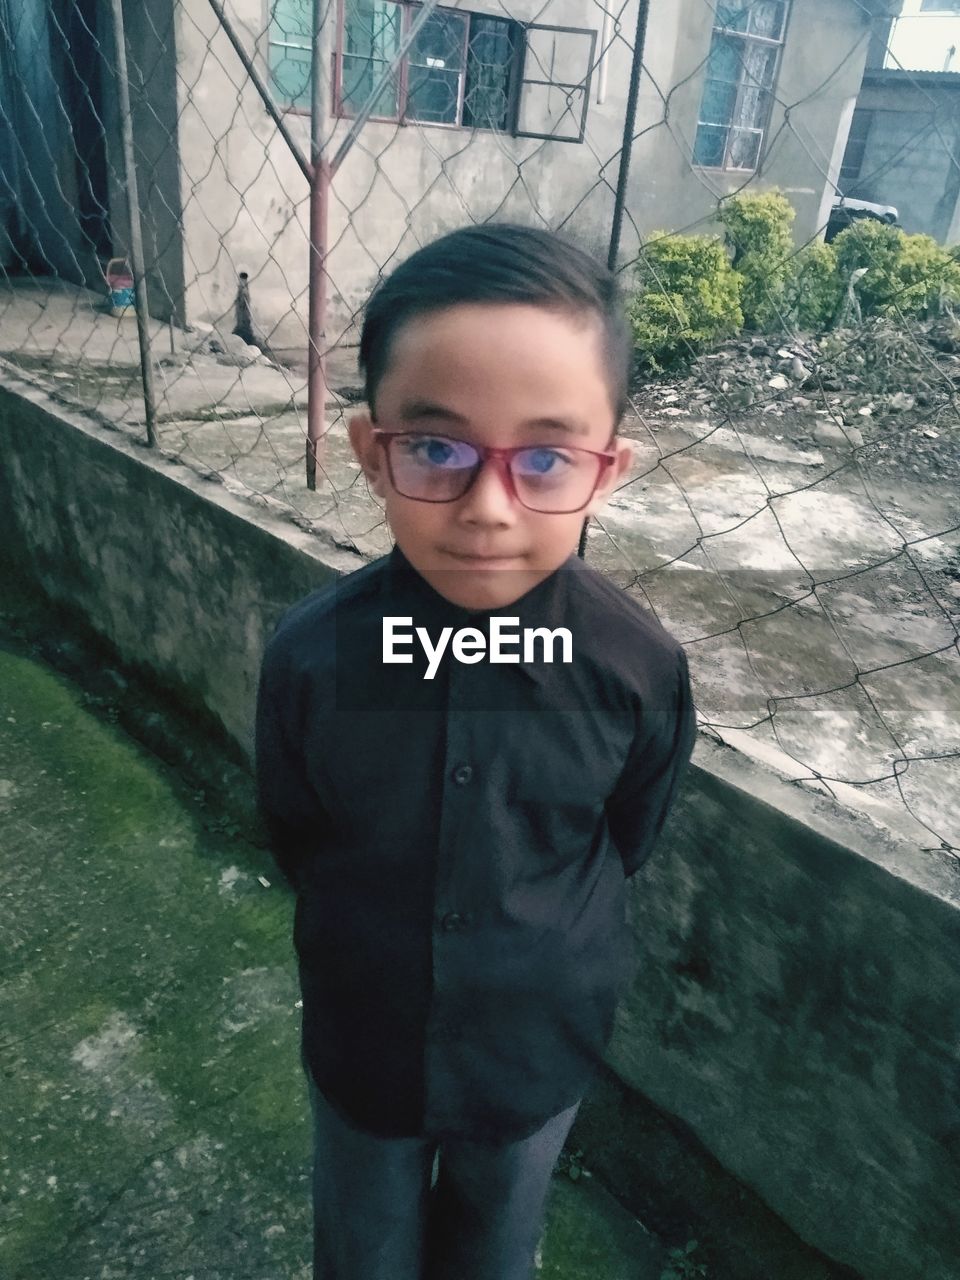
(484, 589)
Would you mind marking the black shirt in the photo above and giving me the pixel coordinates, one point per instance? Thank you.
(459, 845)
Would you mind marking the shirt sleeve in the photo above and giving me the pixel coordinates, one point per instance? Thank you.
(288, 806)
(648, 785)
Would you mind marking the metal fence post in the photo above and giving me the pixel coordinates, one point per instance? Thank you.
(629, 124)
(317, 303)
(136, 234)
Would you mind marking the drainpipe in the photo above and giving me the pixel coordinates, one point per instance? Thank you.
(604, 57)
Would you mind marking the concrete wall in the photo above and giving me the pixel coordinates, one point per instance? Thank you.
(74, 528)
(912, 154)
(244, 199)
(400, 187)
(797, 1004)
(797, 1001)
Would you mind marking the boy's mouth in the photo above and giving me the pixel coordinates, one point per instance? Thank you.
(484, 561)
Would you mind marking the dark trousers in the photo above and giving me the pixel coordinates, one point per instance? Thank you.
(377, 1215)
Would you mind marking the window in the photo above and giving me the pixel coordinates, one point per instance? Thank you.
(462, 69)
(458, 71)
(856, 143)
(554, 93)
(940, 6)
(291, 23)
(492, 57)
(741, 73)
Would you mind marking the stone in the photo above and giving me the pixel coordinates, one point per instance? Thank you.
(833, 436)
(225, 348)
(945, 335)
(240, 354)
(901, 402)
(778, 382)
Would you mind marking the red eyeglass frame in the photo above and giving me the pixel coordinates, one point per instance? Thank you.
(502, 456)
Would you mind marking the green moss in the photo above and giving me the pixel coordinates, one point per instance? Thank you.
(589, 1236)
(187, 1099)
(38, 1222)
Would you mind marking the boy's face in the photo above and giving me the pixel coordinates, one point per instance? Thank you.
(495, 375)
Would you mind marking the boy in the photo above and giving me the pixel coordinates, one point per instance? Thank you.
(458, 809)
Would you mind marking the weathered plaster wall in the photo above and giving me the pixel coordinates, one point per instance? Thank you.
(245, 205)
(245, 201)
(823, 57)
(797, 997)
(912, 155)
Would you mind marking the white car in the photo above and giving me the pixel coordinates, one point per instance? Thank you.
(845, 211)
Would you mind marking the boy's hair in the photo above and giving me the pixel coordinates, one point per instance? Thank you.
(498, 262)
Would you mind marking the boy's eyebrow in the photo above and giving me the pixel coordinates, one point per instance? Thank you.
(420, 410)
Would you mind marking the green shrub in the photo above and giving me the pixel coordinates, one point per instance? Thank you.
(908, 273)
(813, 288)
(758, 229)
(688, 296)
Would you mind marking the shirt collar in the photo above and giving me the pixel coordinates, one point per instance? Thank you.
(542, 606)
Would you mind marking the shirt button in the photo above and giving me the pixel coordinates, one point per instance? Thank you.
(462, 774)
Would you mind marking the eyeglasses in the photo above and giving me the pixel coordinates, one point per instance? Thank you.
(544, 478)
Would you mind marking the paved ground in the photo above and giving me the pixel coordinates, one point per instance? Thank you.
(152, 1113)
(729, 527)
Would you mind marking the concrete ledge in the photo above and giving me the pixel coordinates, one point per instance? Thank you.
(183, 578)
(797, 999)
(797, 1004)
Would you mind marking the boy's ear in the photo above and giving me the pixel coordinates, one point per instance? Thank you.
(368, 453)
(613, 475)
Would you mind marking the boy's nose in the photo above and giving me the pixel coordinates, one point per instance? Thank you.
(488, 500)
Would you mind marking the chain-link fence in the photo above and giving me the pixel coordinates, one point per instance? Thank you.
(193, 212)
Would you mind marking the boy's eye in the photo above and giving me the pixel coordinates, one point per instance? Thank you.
(435, 451)
(542, 462)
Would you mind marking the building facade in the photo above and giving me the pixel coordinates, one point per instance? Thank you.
(497, 110)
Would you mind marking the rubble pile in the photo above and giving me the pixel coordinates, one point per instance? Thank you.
(892, 394)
